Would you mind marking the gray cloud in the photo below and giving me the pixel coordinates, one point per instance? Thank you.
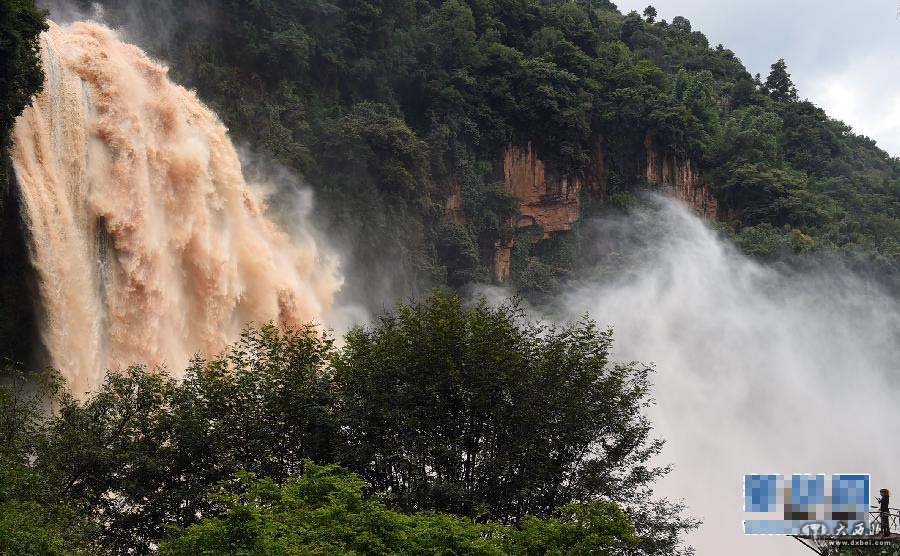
(841, 55)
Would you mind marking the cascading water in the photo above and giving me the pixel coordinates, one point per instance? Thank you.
(149, 245)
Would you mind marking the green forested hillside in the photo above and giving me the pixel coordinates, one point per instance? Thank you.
(384, 105)
(387, 108)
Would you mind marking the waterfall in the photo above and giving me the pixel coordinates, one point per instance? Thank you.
(150, 246)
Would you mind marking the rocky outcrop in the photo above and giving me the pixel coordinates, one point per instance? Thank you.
(546, 198)
(548, 201)
(552, 200)
(453, 209)
(681, 175)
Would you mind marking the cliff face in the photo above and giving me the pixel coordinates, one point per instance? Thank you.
(552, 200)
(680, 174)
(546, 199)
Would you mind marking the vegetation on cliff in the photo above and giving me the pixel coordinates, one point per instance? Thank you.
(394, 110)
(20, 78)
(525, 438)
(389, 108)
(21, 75)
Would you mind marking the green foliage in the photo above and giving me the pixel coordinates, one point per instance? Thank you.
(477, 412)
(35, 519)
(456, 246)
(384, 147)
(326, 512)
(766, 241)
(531, 275)
(142, 450)
(21, 76)
(578, 529)
(750, 135)
(779, 85)
(438, 407)
(323, 512)
(765, 193)
(31, 529)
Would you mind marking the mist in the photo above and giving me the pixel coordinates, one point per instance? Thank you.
(758, 369)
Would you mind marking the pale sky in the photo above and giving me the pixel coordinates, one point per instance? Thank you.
(842, 54)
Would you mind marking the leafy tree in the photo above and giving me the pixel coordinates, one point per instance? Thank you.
(748, 135)
(456, 246)
(742, 93)
(650, 14)
(140, 453)
(681, 23)
(477, 412)
(21, 76)
(35, 520)
(472, 411)
(326, 512)
(695, 92)
(779, 85)
(322, 512)
(765, 193)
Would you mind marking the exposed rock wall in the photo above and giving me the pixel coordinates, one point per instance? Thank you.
(546, 198)
(453, 209)
(680, 174)
(552, 200)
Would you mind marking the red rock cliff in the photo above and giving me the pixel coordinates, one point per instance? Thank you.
(546, 199)
(550, 202)
(680, 174)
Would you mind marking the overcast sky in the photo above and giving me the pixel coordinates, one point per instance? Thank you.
(842, 54)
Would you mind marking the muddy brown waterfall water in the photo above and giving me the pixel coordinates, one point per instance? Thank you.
(149, 245)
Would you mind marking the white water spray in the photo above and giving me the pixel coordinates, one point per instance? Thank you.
(758, 370)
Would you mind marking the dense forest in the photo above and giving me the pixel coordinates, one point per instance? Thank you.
(397, 114)
(442, 427)
(387, 107)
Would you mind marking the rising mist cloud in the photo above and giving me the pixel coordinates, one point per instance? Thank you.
(758, 370)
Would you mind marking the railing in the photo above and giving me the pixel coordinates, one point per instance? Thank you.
(893, 521)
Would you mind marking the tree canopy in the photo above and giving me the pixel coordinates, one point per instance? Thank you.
(779, 85)
(453, 423)
(326, 512)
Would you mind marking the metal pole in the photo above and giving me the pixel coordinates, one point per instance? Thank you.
(885, 512)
